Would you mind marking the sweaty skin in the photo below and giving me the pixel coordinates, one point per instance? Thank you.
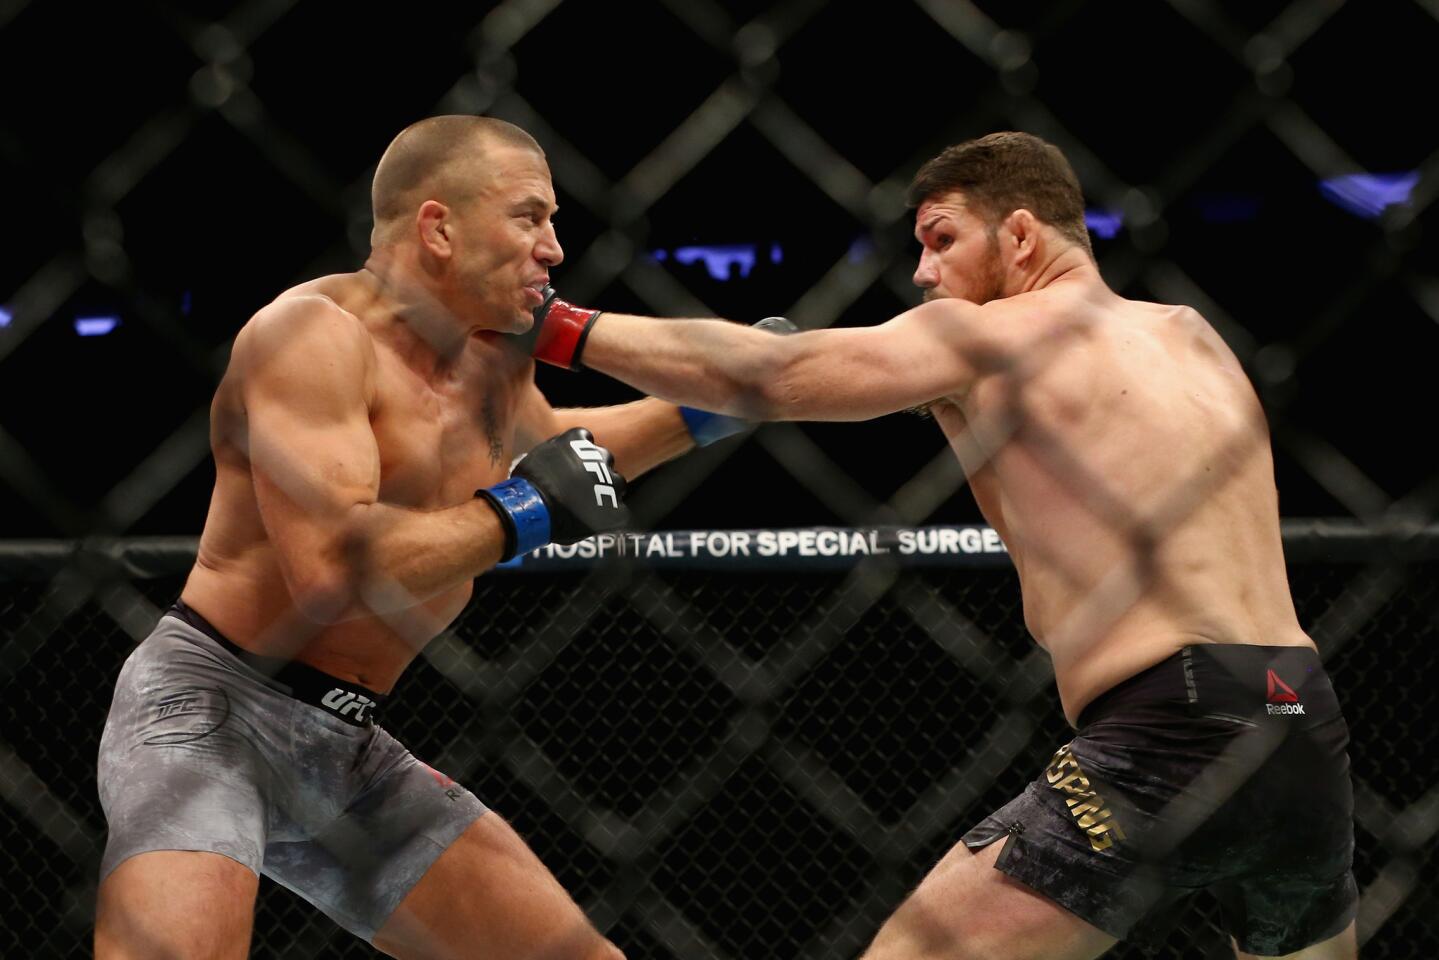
(1116, 446)
(357, 417)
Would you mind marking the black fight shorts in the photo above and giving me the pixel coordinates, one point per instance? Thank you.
(1221, 768)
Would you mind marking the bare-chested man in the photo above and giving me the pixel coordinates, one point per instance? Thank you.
(1121, 453)
(363, 435)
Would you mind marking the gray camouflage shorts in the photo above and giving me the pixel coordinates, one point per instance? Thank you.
(202, 751)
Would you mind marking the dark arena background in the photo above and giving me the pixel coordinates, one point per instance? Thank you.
(720, 756)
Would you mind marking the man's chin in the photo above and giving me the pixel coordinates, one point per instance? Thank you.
(517, 323)
(516, 327)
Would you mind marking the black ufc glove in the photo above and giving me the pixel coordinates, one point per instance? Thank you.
(563, 490)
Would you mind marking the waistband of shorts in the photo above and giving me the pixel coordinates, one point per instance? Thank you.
(1240, 679)
(356, 705)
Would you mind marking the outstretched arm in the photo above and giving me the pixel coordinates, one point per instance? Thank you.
(934, 350)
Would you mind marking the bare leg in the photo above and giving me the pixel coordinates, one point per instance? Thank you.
(176, 904)
(488, 895)
(1345, 946)
(967, 910)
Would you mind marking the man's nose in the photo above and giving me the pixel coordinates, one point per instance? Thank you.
(926, 275)
(548, 250)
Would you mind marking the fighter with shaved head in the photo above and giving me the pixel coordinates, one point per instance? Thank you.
(363, 438)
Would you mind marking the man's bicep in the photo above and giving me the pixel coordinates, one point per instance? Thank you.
(312, 450)
(316, 464)
(866, 372)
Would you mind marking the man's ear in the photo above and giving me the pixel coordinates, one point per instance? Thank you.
(434, 228)
(1021, 236)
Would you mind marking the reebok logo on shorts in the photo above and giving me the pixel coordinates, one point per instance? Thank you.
(1282, 698)
(446, 784)
(1088, 808)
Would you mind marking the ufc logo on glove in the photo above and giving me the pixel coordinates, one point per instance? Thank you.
(594, 460)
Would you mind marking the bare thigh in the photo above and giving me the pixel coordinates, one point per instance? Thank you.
(967, 910)
(1345, 946)
(488, 895)
(173, 904)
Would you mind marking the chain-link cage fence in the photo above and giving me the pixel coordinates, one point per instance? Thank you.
(723, 755)
(736, 711)
(787, 130)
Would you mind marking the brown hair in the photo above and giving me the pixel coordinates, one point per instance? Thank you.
(426, 157)
(1003, 172)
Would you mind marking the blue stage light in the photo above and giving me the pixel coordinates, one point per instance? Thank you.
(1368, 194)
(1103, 223)
(719, 259)
(95, 326)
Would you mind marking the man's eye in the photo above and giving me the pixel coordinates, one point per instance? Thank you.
(943, 240)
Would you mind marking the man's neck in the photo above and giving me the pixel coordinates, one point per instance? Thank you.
(412, 319)
(1070, 264)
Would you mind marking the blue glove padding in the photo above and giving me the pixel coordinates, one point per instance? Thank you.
(563, 490)
(523, 514)
(706, 427)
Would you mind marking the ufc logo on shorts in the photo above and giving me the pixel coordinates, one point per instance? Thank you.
(594, 460)
(343, 702)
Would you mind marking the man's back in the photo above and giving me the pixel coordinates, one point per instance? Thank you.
(1120, 452)
(1124, 456)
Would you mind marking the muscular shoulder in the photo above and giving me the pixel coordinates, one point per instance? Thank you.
(1202, 333)
(304, 335)
(995, 336)
(1188, 335)
(982, 333)
(297, 321)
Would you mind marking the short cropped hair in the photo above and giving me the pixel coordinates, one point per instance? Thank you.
(438, 157)
(1003, 172)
